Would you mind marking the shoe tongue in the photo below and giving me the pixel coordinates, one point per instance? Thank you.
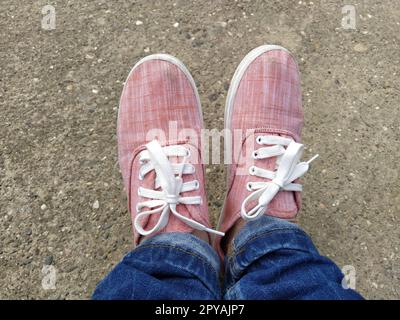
(283, 205)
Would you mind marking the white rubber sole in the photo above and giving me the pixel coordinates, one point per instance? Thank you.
(235, 82)
(180, 65)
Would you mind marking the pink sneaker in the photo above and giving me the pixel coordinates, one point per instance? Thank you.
(163, 177)
(264, 104)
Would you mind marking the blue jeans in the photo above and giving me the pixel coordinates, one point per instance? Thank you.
(271, 259)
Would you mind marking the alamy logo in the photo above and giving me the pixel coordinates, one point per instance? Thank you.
(349, 18)
(49, 274)
(349, 279)
(49, 18)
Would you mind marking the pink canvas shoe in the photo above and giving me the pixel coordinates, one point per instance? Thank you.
(264, 119)
(159, 150)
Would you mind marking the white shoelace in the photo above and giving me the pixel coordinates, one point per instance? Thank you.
(288, 168)
(169, 181)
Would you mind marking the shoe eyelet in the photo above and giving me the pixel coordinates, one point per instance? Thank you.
(249, 186)
(255, 155)
(188, 153)
(252, 170)
(196, 185)
(259, 139)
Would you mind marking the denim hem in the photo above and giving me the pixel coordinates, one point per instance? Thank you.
(263, 236)
(169, 246)
(185, 242)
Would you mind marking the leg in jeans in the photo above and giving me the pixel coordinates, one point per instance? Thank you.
(274, 259)
(167, 266)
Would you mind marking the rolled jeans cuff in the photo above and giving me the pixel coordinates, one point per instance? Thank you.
(186, 252)
(261, 237)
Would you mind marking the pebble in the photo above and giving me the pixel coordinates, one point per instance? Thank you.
(43, 207)
(197, 43)
(213, 97)
(359, 47)
(70, 75)
(217, 203)
(101, 21)
(26, 261)
(69, 268)
(139, 23)
(176, 24)
(96, 204)
(48, 260)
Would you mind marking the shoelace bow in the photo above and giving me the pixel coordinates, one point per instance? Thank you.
(169, 181)
(288, 169)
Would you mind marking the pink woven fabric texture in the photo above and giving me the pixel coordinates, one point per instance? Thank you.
(267, 102)
(156, 93)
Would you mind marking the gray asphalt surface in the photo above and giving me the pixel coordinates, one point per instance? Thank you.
(59, 96)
